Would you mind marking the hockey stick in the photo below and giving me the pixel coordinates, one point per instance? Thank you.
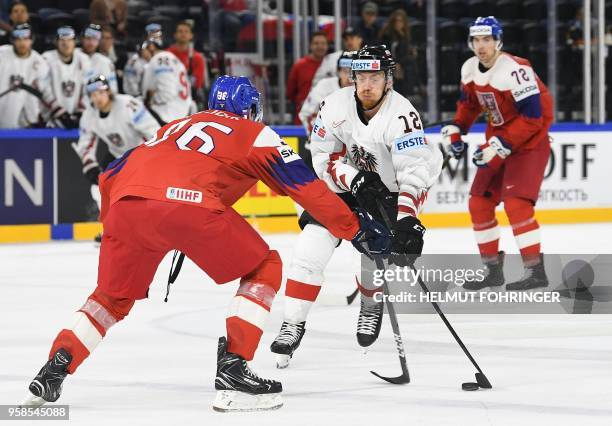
(481, 379)
(352, 296)
(405, 376)
(9, 90)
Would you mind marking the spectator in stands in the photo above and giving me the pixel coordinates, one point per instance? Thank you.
(109, 12)
(395, 34)
(351, 41)
(192, 60)
(303, 71)
(17, 14)
(368, 26)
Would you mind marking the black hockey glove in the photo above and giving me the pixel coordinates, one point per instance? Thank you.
(372, 237)
(369, 191)
(407, 243)
(92, 175)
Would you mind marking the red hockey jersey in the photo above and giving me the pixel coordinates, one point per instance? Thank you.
(210, 159)
(517, 103)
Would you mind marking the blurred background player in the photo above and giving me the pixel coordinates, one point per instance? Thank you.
(165, 84)
(176, 192)
(134, 68)
(120, 121)
(134, 71)
(324, 88)
(70, 70)
(511, 162)
(368, 144)
(25, 87)
(351, 42)
(100, 64)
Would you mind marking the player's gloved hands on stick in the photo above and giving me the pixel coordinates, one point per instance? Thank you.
(407, 242)
(93, 174)
(492, 153)
(372, 237)
(451, 139)
(369, 190)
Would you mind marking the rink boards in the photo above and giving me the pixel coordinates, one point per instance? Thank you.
(44, 196)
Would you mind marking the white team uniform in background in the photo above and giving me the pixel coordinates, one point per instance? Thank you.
(132, 75)
(166, 77)
(68, 80)
(392, 144)
(328, 67)
(310, 107)
(127, 125)
(20, 108)
(101, 64)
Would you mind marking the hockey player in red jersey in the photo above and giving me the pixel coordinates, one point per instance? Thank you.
(176, 192)
(511, 162)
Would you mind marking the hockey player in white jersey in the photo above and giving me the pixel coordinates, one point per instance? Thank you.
(70, 69)
(368, 144)
(134, 71)
(120, 121)
(165, 84)
(25, 89)
(100, 64)
(310, 107)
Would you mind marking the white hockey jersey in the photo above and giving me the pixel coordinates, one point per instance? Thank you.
(20, 108)
(127, 125)
(328, 67)
(132, 75)
(166, 79)
(68, 80)
(310, 107)
(392, 144)
(100, 64)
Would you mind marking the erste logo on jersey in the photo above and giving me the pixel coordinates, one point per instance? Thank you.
(318, 129)
(409, 141)
(181, 194)
(365, 65)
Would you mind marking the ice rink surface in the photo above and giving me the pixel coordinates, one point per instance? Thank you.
(157, 366)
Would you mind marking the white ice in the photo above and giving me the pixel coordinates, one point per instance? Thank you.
(157, 366)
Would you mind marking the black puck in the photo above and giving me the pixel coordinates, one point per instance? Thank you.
(470, 386)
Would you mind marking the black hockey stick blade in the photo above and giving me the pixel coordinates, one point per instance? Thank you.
(352, 296)
(482, 381)
(399, 380)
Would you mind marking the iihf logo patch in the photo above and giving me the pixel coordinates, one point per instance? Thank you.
(68, 88)
(363, 159)
(181, 194)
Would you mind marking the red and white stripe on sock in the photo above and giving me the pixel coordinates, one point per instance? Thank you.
(90, 324)
(251, 305)
(486, 228)
(525, 228)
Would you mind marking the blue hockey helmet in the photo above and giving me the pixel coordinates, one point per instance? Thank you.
(237, 95)
(486, 26)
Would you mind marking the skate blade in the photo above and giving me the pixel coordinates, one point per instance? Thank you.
(32, 401)
(282, 361)
(228, 401)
